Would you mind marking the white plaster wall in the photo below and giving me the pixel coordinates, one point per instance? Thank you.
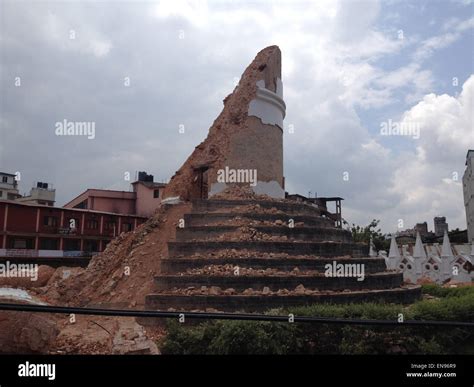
(268, 106)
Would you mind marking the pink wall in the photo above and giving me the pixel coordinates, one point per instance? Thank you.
(120, 202)
(146, 204)
(141, 202)
(115, 205)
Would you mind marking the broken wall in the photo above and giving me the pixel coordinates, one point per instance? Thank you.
(248, 134)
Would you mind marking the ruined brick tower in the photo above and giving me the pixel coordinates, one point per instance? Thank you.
(247, 136)
(249, 253)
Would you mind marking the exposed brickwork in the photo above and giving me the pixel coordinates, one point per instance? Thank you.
(258, 146)
(233, 130)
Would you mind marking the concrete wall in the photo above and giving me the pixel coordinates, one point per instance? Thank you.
(39, 196)
(468, 190)
(146, 203)
(115, 205)
(120, 202)
(8, 188)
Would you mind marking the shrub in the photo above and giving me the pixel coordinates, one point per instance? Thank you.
(250, 337)
(439, 291)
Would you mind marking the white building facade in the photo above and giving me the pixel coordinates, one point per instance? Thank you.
(468, 190)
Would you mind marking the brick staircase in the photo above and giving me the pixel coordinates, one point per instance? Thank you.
(242, 255)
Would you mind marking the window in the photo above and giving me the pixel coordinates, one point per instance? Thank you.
(19, 244)
(92, 224)
(111, 225)
(49, 244)
(72, 245)
(50, 221)
(1, 194)
(82, 205)
(90, 245)
(126, 227)
(156, 193)
(4, 179)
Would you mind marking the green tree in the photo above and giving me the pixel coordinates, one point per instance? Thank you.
(363, 234)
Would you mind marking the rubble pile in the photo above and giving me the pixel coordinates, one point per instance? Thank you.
(105, 335)
(241, 192)
(251, 208)
(266, 291)
(246, 253)
(231, 270)
(121, 276)
(124, 272)
(244, 233)
(242, 221)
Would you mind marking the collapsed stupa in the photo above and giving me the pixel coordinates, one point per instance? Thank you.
(245, 246)
(245, 143)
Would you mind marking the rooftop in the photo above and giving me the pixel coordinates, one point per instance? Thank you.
(15, 203)
(469, 154)
(150, 184)
(7, 174)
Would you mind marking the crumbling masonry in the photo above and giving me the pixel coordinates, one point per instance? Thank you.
(244, 246)
(247, 135)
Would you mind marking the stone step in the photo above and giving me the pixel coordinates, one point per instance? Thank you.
(205, 218)
(323, 249)
(384, 280)
(175, 265)
(258, 303)
(314, 234)
(285, 206)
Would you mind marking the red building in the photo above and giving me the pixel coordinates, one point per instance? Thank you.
(31, 229)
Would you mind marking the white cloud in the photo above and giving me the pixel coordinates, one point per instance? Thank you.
(446, 124)
(65, 32)
(425, 180)
(195, 12)
(331, 68)
(435, 43)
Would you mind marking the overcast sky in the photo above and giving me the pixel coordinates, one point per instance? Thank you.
(139, 70)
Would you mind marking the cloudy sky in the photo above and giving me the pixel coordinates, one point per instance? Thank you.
(139, 70)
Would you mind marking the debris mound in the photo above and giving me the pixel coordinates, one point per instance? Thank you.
(123, 273)
(240, 192)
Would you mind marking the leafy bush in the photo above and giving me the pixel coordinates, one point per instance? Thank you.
(249, 337)
(231, 337)
(438, 291)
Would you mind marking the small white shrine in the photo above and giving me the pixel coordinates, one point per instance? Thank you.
(440, 263)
